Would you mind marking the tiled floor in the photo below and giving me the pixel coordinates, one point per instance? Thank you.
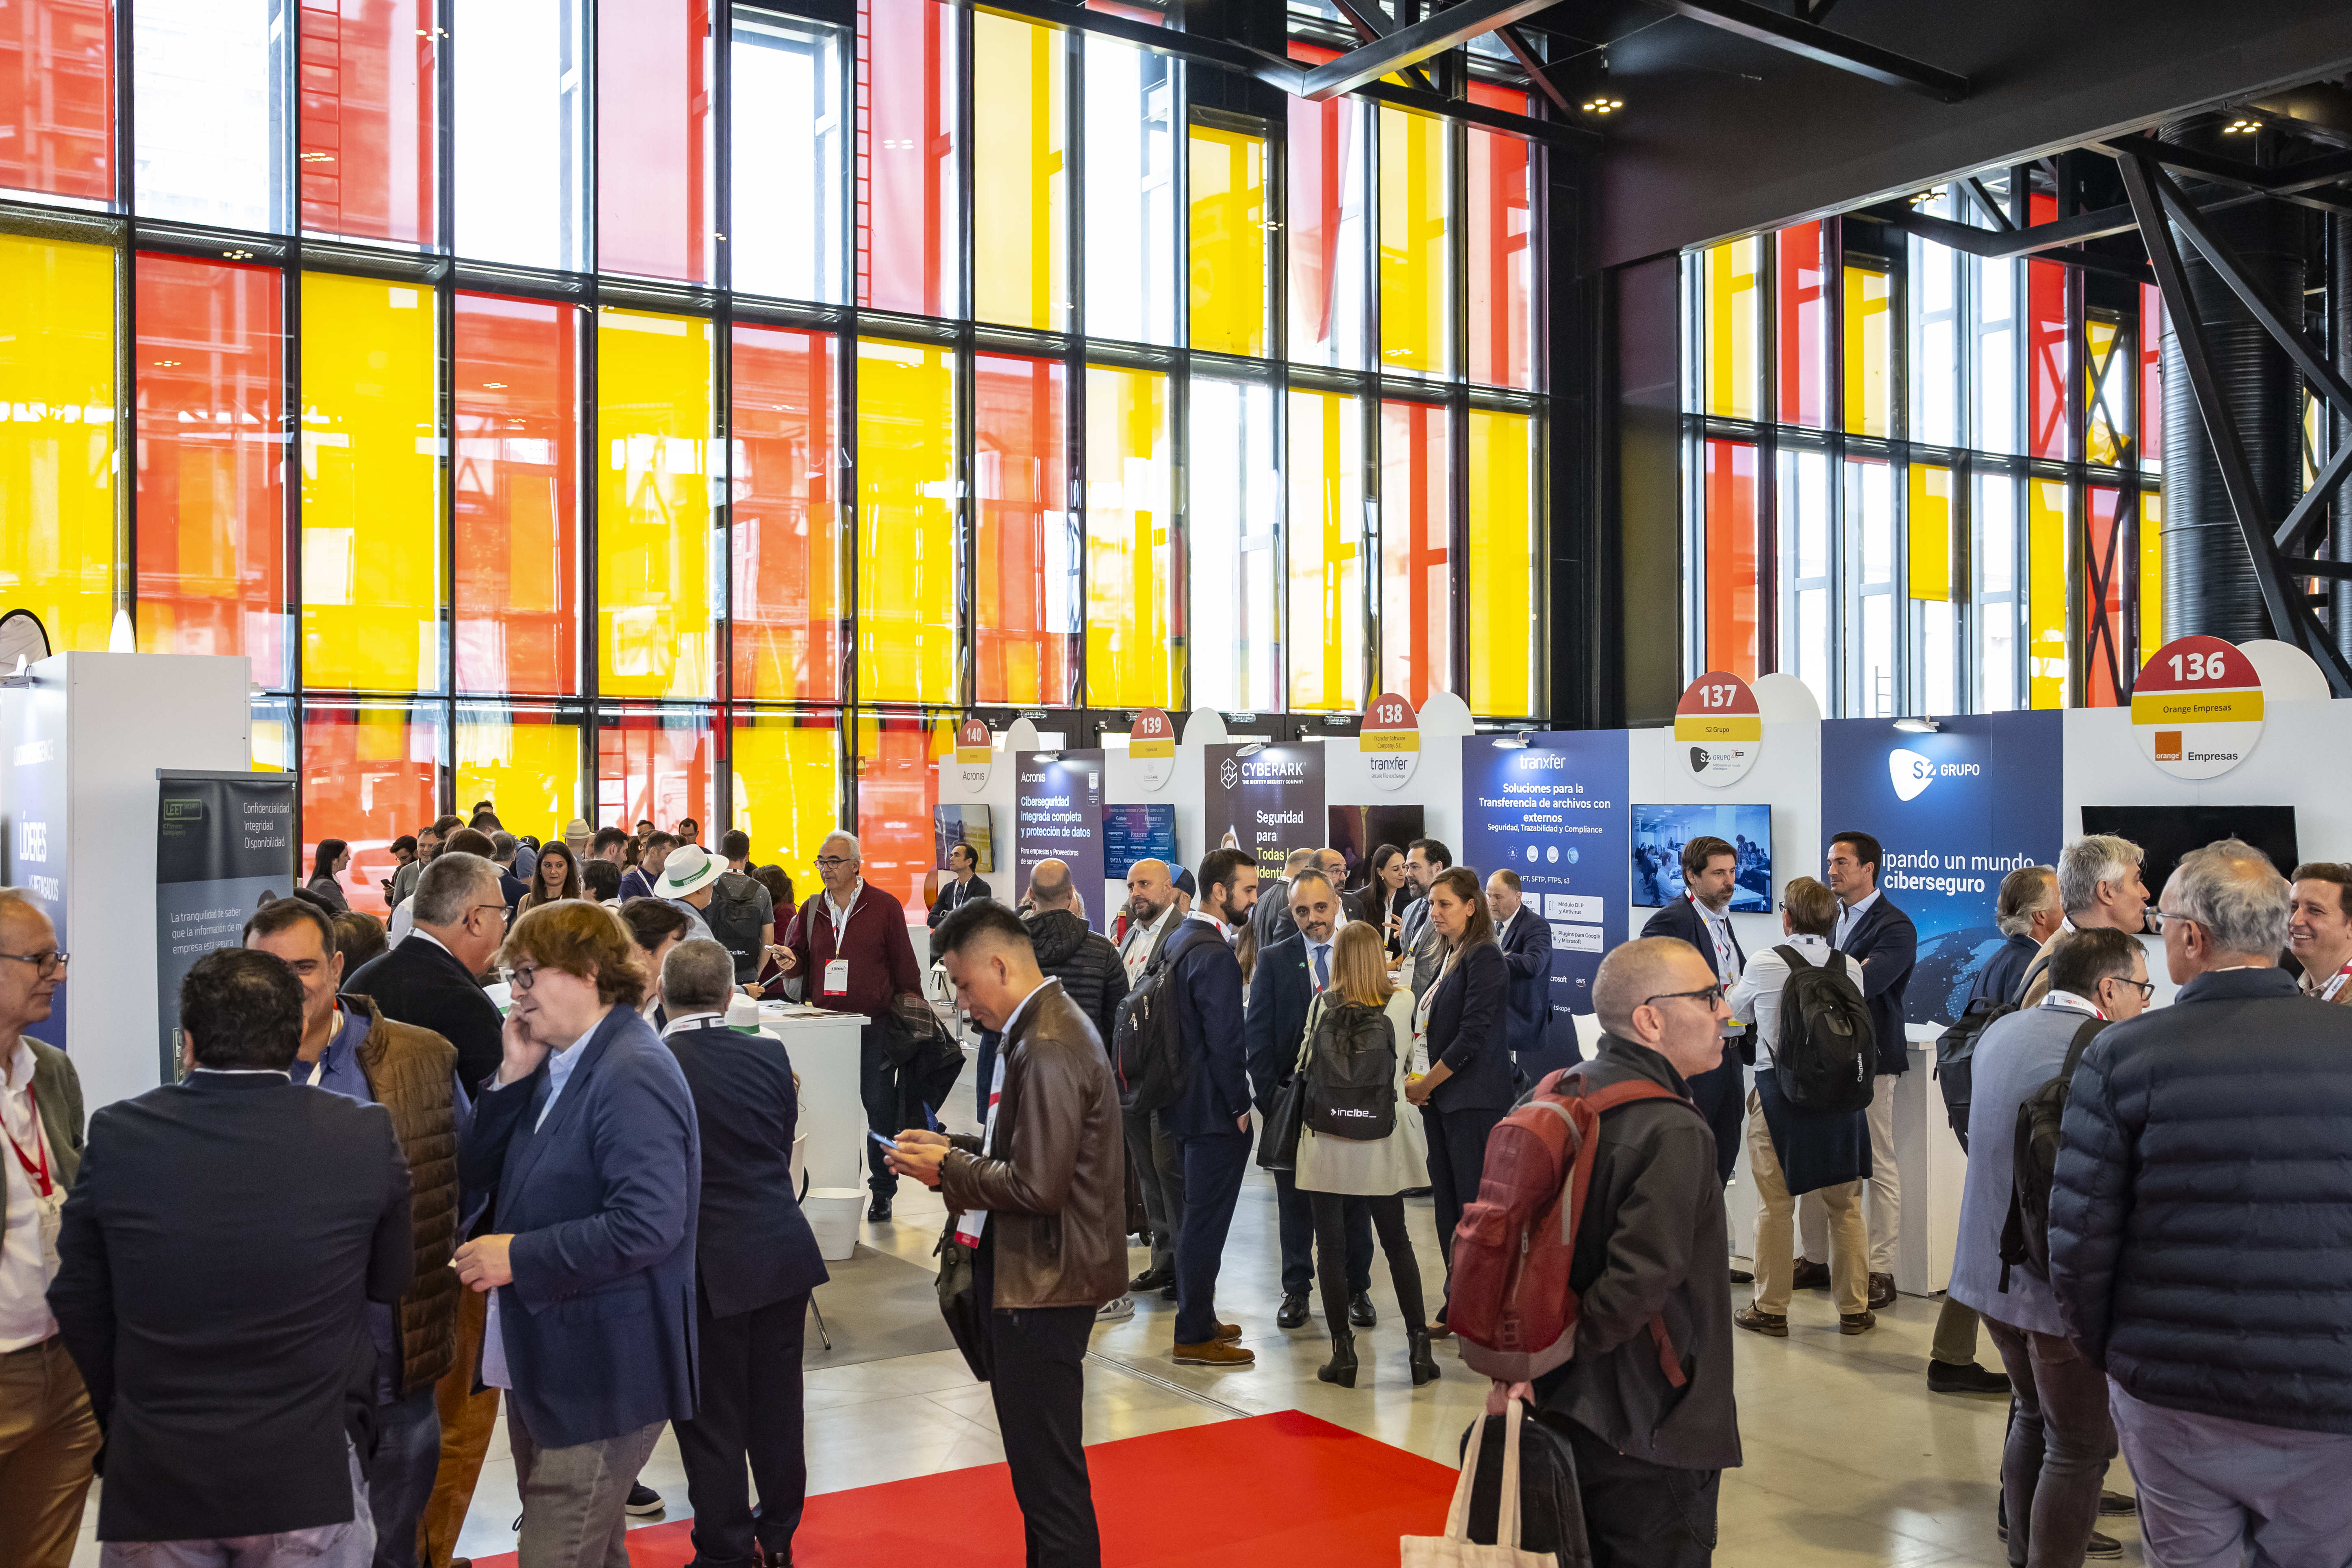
(1850, 1460)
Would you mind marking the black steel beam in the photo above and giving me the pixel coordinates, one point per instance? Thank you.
(2307, 356)
(1993, 244)
(1800, 38)
(1990, 205)
(1524, 52)
(2309, 506)
(2335, 571)
(1372, 24)
(2307, 175)
(1558, 132)
(1433, 35)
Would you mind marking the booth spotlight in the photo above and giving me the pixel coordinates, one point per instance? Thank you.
(1049, 756)
(1919, 726)
(1250, 749)
(1518, 740)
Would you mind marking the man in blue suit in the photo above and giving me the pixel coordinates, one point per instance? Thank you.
(1871, 929)
(756, 1262)
(1288, 976)
(1210, 1119)
(587, 1136)
(1702, 917)
(1540, 1044)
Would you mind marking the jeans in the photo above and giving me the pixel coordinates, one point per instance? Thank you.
(571, 1498)
(2209, 1487)
(2060, 1440)
(1336, 1218)
(1775, 1243)
(351, 1544)
(47, 1439)
(400, 1476)
(1294, 1225)
(1641, 1515)
(1214, 1163)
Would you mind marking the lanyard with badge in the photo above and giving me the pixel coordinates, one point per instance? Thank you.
(836, 971)
(1421, 1011)
(48, 1197)
(2335, 983)
(969, 1225)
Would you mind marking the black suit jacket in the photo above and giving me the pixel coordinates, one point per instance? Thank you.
(421, 983)
(1888, 944)
(1467, 1033)
(1275, 1020)
(219, 1248)
(753, 1245)
(1526, 943)
(1681, 919)
(953, 896)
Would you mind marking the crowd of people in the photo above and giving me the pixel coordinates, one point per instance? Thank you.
(584, 1210)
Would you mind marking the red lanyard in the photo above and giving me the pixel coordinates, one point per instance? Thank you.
(39, 1173)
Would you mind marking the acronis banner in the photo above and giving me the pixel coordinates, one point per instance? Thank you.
(1954, 812)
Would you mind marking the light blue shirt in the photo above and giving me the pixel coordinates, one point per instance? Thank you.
(494, 1344)
(1848, 916)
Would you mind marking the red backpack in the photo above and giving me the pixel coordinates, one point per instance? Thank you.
(1510, 1303)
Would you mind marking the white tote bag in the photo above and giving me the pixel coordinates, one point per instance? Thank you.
(1455, 1549)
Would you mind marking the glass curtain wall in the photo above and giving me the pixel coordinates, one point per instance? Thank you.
(658, 408)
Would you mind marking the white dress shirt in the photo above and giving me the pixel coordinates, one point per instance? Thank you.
(1757, 998)
(1849, 915)
(1140, 938)
(24, 1260)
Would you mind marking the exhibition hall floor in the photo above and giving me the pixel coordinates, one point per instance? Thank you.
(1849, 1459)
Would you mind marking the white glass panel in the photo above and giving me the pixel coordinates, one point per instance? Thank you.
(1235, 500)
(209, 106)
(520, 167)
(1130, 238)
(787, 146)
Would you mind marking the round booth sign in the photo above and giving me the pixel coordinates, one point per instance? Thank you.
(1389, 740)
(1151, 747)
(975, 753)
(1719, 730)
(2196, 708)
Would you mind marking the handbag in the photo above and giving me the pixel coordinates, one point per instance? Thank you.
(1455, 1549)
(1277, 1143)
(959, 1303)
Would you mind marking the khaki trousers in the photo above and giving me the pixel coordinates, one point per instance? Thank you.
(468, 1420)
(1776, 1225)
(47, 1439)
(1885, 1188)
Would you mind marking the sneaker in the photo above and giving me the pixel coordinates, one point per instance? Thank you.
(1882, 1290)
(1856, 1323)
(644, 1501)
(1216, 1353)
(1966, 1377)
(1117, 1312)
(1775, 1324)
(2115, 1505)
(1809, 1276)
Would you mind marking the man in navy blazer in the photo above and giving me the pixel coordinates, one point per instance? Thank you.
(587, 1135)
(1538, 1047)
(1870, 928)
(755, 1263)
(1702, 917)
(1281, 990)
(1210, 1119)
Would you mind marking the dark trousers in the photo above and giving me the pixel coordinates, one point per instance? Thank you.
(1161, 1169)
(1336, 1218)
(400, 1474)
(1721, 1095)
(1037, 1378)
(2061, 1437)
(1457, 1150)
(1295, 1218)
(886, 1109)
(1214, 1163)
(751, 1407)
(1641, 1515)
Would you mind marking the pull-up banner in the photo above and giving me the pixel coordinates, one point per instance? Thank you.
(225, 845)
(1058, 807)
(1267, 799)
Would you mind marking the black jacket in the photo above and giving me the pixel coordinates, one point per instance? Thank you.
(2003, 975)
(1274, 1020)
(1466, 1031)
(1525, 941)
(1083, 960)
(1888, 943)
(1652, 1242)
(753, 1245)
(421, 983)
(1680, 919)
(953, 896)
(220, 1245)
(2200, 1221)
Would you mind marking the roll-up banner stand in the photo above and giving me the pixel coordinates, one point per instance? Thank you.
(225, 845)
(1058, 807)
(1265, 800)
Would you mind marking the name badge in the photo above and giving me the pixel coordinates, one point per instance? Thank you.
(836, 978)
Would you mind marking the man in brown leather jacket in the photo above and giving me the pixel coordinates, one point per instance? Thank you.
(1041, 1195)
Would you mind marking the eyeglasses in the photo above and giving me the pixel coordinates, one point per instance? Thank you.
(478, 908)
(522, 976)
(833, 862)
(1709, 997)
(44, 964)
(2146, 987)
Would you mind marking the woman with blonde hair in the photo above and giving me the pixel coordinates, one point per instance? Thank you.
(1333, 1167)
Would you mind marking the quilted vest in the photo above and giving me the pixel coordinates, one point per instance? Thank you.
(412, 1073)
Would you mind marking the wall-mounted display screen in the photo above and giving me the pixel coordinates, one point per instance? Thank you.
(2166, 833)
(1660, 831)
(954, 824)
(1358, 830)
(1132, 833)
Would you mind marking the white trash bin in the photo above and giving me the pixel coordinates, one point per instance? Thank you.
(833, 1215)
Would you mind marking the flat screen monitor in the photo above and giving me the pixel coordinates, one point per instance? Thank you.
(2166, 833)
(1132, 833)
(954, 824)
(1358, 830)
(1660, 831)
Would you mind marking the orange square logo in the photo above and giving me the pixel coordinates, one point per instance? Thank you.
(2168, 745)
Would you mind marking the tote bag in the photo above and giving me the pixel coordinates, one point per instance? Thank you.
(1455, 1549)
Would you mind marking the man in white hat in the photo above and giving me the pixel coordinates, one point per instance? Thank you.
(685, 880)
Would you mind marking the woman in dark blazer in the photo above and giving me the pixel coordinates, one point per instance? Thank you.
(1380, 904)
(333, 856)
(1465, 1086)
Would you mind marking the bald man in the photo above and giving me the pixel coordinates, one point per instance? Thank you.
(1272, 916)
(1150, 903)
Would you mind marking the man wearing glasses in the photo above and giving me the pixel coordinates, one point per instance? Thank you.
(848, 950)
(48, 1435)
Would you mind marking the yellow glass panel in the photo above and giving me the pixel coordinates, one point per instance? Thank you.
(1133, 657)
(1931, 532)
(2151, 574)
(788, 796)
(2105, 373)
(1230, 293)
(1416, 258)
(57, 437)
(1730, 271)
(1869, 351)
(906, 523)
(1020, 226)
(371, 486)
(2046, 591)
(1327, 552)
(527, 763)
(654, 601)
(1502, 587)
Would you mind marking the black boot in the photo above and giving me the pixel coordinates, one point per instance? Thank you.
(1341, 1368)
(1425, 1365)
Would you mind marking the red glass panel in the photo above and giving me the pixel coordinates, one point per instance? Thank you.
(57, 108)
(1326, 170)
(211, 446)
(1416, 553)
(654, 765)
(1022, 556)
(2051, 354)
(369, 774)
(898, 784)
(2151, 375)
(790, 614)
(518, 545)
(1800, 325)
(907, 196)
(1731, 558)
(1502, 257)
(654, 203)
(2105, 562)
(368, 118)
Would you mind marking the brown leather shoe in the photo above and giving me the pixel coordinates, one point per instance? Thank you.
(1755, 1319)
(1856, 1323)
(1441, 1330)
(1809, 1276)
(1216, 1353)
(1228, 1332)
(1882, 1290)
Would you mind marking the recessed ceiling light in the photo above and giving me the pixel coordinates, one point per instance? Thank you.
(2241, 126)
(495, 385)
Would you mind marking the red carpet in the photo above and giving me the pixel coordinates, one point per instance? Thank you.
(1285, 1490)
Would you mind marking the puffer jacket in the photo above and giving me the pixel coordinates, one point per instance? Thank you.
(2200, 1219)
(1087, 964)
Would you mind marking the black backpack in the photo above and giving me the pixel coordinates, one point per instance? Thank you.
(1956, 1048)
(1827, 1055)
(1551, 1505)
(1147, 1047)
(2025, 1234)
(1351, 1073)
(733, 917)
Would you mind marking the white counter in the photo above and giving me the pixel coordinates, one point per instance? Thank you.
(824, 1050)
